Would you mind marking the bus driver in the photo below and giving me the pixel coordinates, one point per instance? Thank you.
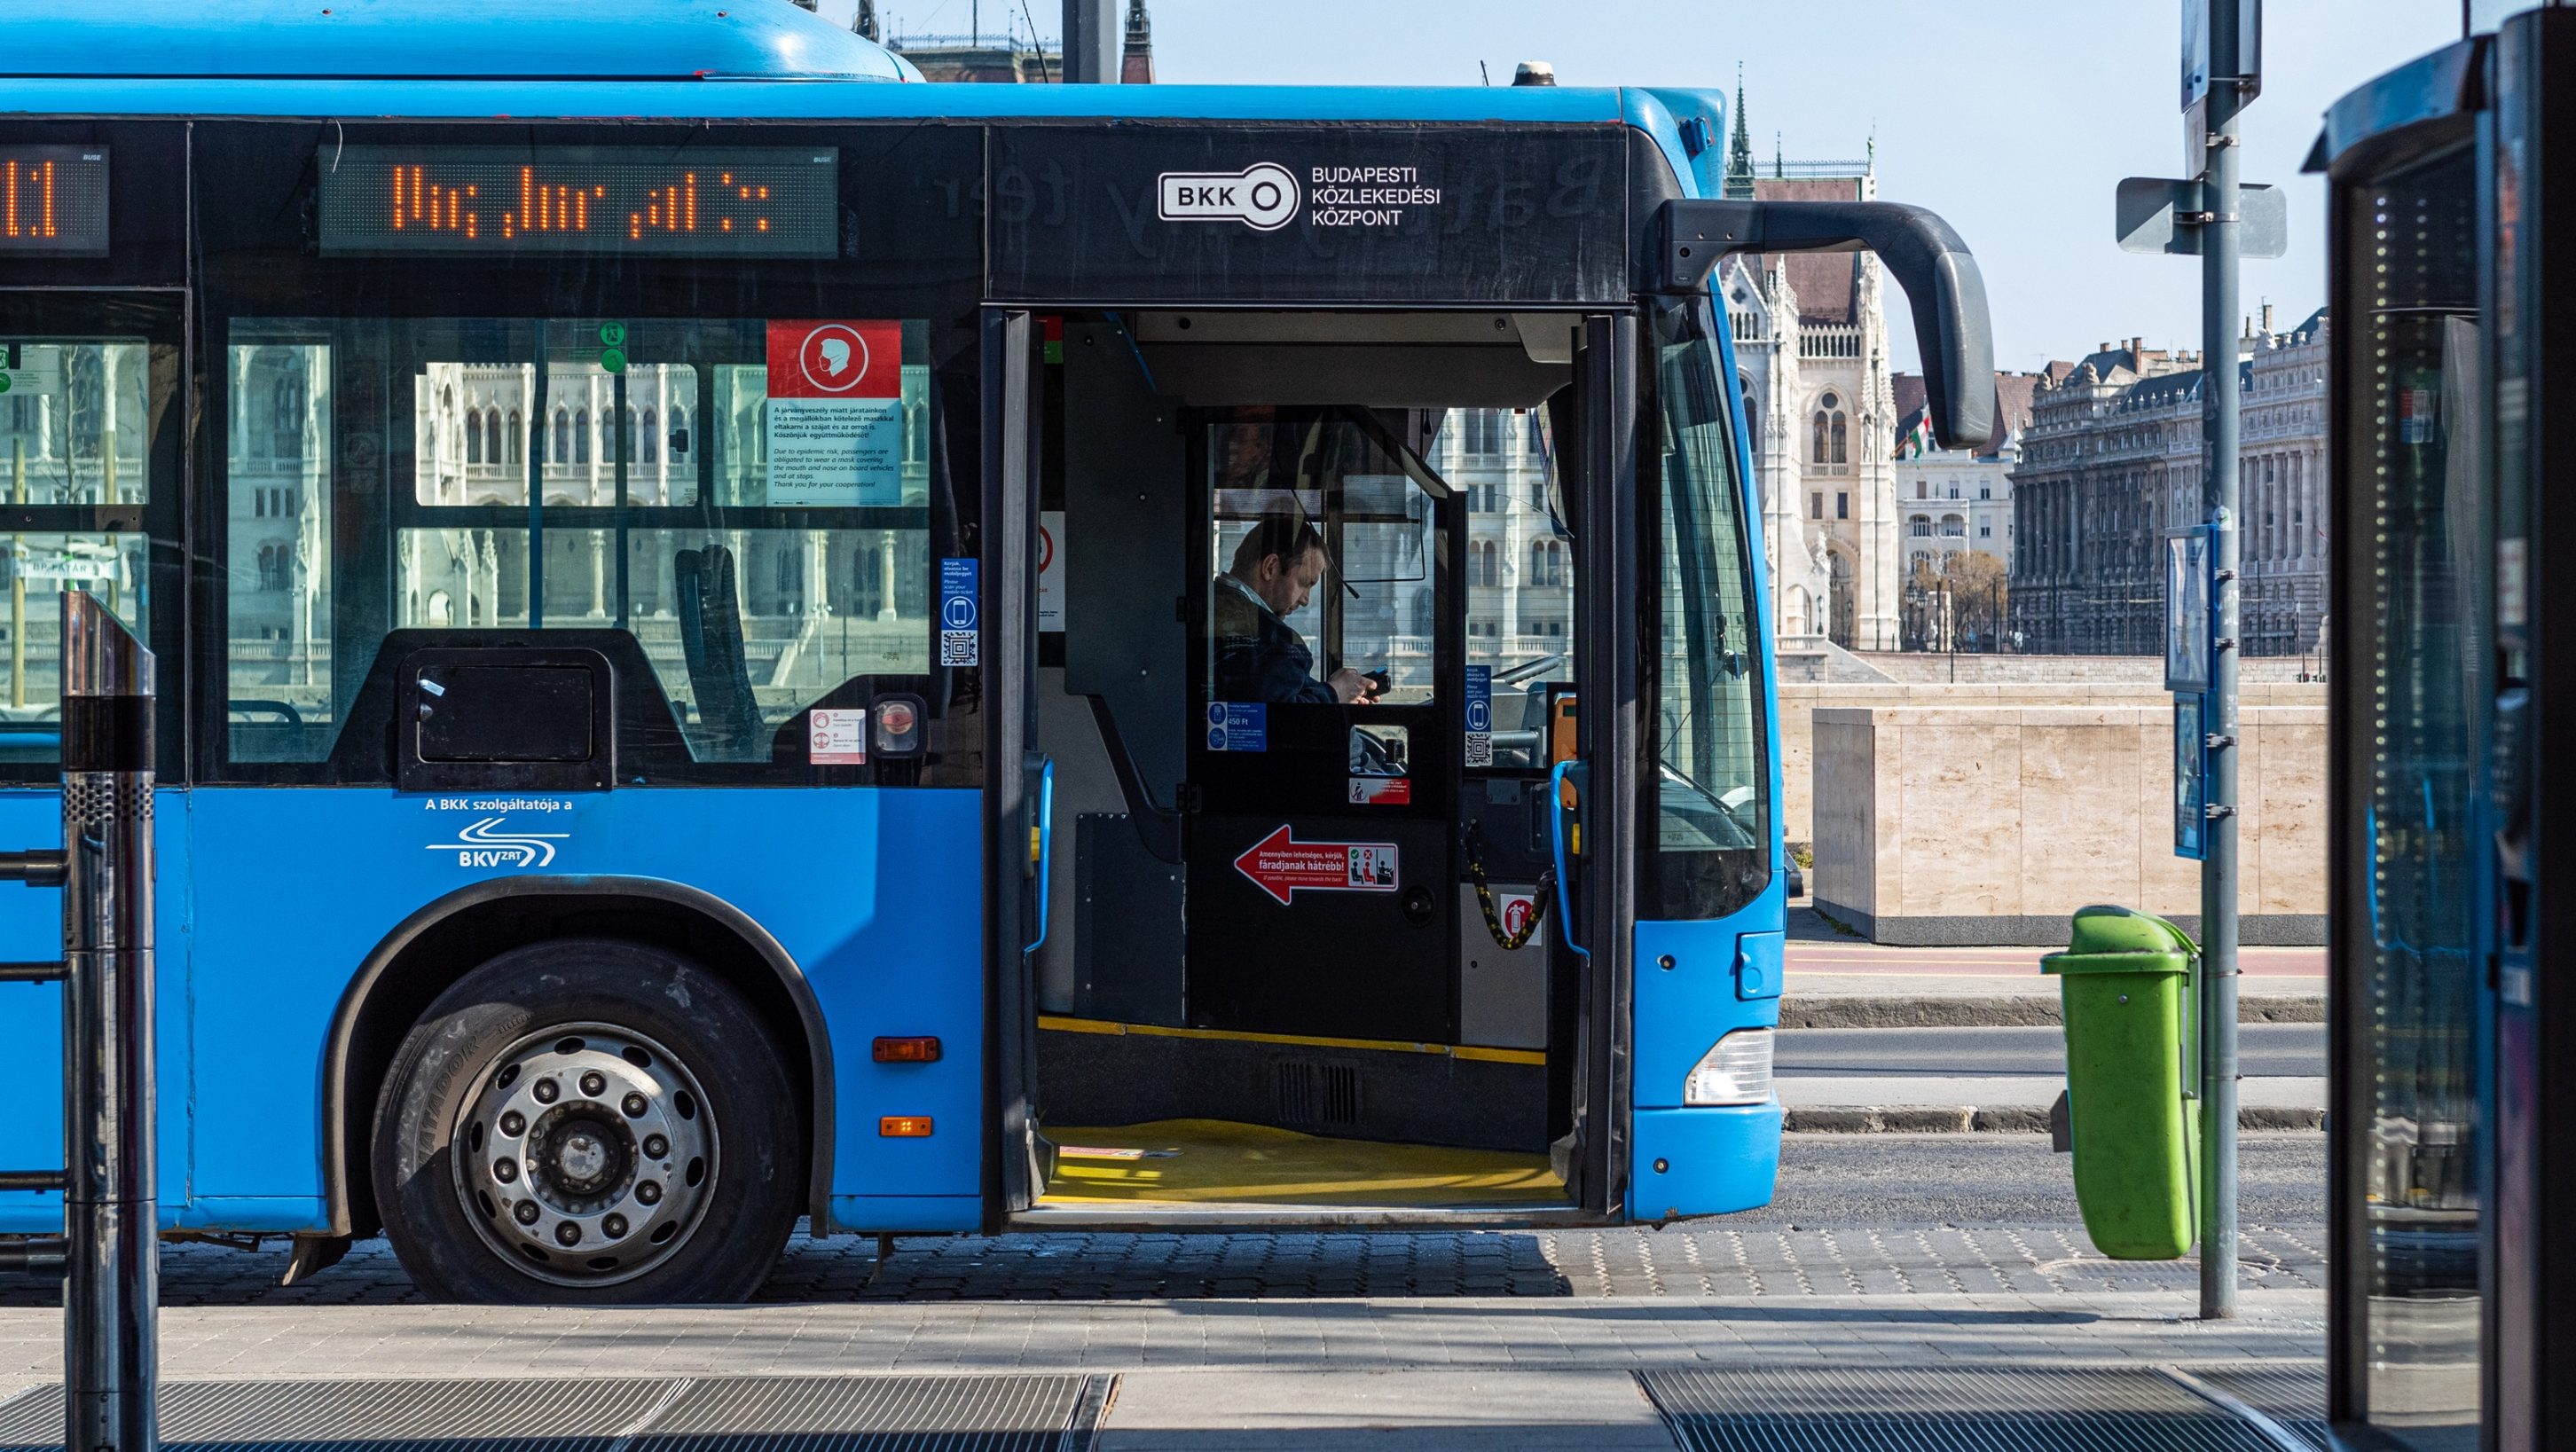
(1258, 657)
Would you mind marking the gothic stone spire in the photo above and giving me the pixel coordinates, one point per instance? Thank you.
(1136, 60)
(866, 22)
(1739, 148)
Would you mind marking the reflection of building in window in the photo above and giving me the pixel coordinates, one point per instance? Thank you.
(1519, 569)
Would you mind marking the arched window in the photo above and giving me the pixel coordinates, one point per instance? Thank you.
(1954, 527)
(608, 437)
(1919, 526)
(474, 436)
(679, 434)
(652, 440)
(514, 436)
(563, 437)
(1823, 422)
(1547, 562)
(867, 579)
(581, 436)
(492, 435)
(1842, 441)
(791, 576)
(286, 413)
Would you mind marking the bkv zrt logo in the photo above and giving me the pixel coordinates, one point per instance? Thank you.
(1262, 196)
(484, 844)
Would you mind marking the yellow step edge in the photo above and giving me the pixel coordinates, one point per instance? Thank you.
(1474, 1052)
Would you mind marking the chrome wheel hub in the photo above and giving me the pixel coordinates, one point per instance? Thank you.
(587, 1155)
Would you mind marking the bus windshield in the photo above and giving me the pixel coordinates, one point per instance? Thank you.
(1705, 731)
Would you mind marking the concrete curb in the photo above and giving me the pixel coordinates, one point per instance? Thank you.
(1992, 1119)
(1997, 1010)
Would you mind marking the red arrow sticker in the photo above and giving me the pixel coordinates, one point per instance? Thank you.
(1281, 866)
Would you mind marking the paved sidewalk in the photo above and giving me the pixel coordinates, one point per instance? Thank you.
(1338, 1335)
(1257, 1376)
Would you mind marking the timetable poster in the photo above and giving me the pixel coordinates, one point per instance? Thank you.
(835, 414)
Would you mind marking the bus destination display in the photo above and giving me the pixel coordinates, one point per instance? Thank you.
(498, 200)
(53, 201)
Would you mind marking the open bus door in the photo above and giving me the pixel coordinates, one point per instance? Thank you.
(1018, 834)
(1592, 795)
(1166, 475)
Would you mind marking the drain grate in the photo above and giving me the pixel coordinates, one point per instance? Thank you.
(2292, 1396)
(1941, 1409)
(728, 1414)
(888, 1413)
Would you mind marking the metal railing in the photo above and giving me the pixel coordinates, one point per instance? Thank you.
(109, 1255)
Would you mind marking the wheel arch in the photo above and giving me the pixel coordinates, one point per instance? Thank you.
(451, 936)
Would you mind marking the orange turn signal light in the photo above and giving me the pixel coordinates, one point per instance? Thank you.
(904, 1126)
(921, 1050)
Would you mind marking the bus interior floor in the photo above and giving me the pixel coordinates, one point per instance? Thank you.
(1217, 1162)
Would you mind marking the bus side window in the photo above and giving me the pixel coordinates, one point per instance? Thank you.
(277, 543)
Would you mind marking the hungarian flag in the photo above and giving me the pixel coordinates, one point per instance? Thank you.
(1916, 441)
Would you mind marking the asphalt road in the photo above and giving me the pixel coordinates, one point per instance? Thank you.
(2284, 1050)
(2001, 1180)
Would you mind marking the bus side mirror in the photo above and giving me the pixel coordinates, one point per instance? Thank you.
(1942, 285)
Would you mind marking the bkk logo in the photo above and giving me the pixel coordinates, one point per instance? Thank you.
(1262, 196)
(483, 844)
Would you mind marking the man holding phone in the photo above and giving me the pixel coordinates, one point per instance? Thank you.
(1259, 657)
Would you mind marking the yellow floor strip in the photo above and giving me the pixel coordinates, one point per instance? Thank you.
(1207, 1161)
(1054, 1024)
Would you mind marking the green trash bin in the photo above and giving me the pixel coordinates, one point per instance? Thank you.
(2131, 993)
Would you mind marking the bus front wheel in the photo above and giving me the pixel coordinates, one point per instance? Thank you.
(588, 1121)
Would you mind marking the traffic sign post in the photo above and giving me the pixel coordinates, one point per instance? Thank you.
(2213, 216)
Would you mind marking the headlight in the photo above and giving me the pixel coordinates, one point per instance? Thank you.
(1736, 1071)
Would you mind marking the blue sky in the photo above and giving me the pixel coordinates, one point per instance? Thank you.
(2013, 120)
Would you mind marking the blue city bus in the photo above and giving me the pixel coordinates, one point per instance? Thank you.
(747, 639)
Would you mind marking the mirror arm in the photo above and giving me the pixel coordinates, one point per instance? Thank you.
(1944, 289)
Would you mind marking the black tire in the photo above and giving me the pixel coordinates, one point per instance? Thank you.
(435, 1118)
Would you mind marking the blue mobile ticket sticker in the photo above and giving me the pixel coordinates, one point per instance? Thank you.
(1480, 715)
(1238, 726)
(960, 632)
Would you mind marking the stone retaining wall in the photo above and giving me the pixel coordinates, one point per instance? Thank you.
(1990, 824)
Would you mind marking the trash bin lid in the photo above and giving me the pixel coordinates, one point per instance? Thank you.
(2117, 940)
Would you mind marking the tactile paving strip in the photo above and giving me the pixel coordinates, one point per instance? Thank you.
(1828, 1408)
(714, 1414)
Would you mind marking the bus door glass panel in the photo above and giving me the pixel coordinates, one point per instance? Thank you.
(1519, 649)
(1519, 568)
(1710, 828)
(2410, 426)
(749, 599)
(1322, 757)
(77, 465)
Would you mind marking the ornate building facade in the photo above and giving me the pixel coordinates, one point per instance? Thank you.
(1007, 58)
(2114, 459)
(1958, 499)
(1811, 344)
